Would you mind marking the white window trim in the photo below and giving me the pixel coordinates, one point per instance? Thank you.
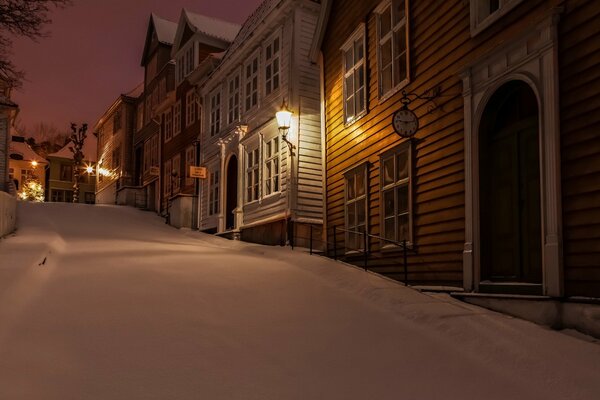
(237, 73)
(276, 35)
(358, 32)
(177, 118)
(214, 197)
(254, 55)
(402, 84)
(406, 146)
(264, 162)
(477, 25)
(353, 171)
(213, 132)
(169, 129)
(255, 168)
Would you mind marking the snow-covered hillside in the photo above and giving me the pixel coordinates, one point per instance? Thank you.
(101, 302)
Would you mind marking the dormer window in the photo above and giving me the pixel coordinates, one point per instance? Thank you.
(485, 12)
(186, 62)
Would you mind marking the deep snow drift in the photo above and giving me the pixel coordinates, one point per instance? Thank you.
(100, 302)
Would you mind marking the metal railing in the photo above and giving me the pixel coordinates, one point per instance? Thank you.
(332, 250)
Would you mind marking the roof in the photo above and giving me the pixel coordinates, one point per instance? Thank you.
(89, 150)
(251, 24)
(165, 32)
(25, 151)
(136, 91)
(165, 29)
(213, 26)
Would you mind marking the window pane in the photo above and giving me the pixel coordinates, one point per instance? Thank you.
(402, 163)
(398, 10)
(351, 216)
(361, 217)
(388, 203)
(350, 188)
(403, 229)
(358, 51)
(349, 60)
(389, 229)
(386, 22)
(360, 184)
(388, 171)
(402, 193)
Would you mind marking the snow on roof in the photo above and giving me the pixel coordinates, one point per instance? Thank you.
(136, 91)
(23, 149)
(165, 29)
(213, 26)
(89, 150)
(251, 24)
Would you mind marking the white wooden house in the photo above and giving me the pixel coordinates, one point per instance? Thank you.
(256, 188)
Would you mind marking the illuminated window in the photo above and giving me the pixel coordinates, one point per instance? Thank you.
(392, 49)
(355, 92)
(271, 166)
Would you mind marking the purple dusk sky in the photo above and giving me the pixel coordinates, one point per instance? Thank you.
(93, 55)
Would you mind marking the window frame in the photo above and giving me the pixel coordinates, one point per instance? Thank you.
(405, 147)
(191, 109)
(177, 118)
(359, 33)
(275, 59)
(168, 122)
(215, 112)
(274, 160)
(255, 89)
(231, 97)
(214, 189)
(480, 23)
(390, 36)
(252, 184)
(361, 169)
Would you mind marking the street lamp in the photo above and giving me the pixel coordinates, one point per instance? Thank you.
(284, 121)
(77, 137)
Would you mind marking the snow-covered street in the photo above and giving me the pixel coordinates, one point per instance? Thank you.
(103, 302)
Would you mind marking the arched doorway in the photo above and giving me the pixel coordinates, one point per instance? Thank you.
(231, 193)
(510, 206)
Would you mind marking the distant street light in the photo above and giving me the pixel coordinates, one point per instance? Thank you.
(78, 138)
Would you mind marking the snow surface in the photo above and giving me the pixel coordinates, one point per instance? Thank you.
(106, 302)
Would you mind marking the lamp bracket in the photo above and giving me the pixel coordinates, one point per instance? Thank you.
(428, 96)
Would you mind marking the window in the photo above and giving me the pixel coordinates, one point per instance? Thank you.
(140, 116)
(213, 201)
(147, 151)
(251, 83)
(190, 108)
(252, 163)
(233, 99)
(271, 171)
(355, 93)
(392, 45)
(66, 172)
(168, 179)
(272, 67)
(154, 151)
(356, 207)
(61, 196)
(116, 122)
(116, 157)
(215, 113)
(168, 121)
(396, 194)
(89, 198)
(177, 118)
(176, 166)
(485, 12)
(186, 62)
(190, 160)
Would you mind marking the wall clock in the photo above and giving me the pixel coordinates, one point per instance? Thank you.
(405, 123)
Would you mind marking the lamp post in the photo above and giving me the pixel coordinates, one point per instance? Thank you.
(78, 138)
(284, 121)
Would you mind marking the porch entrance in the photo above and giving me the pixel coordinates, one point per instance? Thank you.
(510, 206)
(231, 193)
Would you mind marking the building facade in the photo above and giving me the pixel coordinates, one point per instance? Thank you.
(198, 37)
(258, 187)
(8, 111)
(25, 164)
(115, 168)
(497, 190)
(159, 86)
(61, 169)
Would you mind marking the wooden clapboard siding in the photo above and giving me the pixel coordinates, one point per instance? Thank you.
(441, 47)
(579, 69)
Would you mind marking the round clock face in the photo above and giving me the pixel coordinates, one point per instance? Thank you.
(405, 123)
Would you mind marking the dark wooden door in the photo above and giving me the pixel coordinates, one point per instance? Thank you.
(511, 215)
(231, 200)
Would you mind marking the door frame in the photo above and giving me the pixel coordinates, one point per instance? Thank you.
(533, 59)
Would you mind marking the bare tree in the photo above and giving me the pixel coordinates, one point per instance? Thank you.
(22, 18)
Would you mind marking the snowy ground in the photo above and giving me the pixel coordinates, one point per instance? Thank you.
(124, 307)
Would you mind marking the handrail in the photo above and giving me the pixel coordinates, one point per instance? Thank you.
(373, 236)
